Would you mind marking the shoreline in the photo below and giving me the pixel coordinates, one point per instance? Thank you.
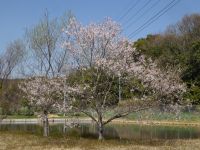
(88, 120)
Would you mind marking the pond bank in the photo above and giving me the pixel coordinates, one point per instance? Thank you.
(88, 120)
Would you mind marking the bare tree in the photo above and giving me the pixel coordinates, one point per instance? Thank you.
(9, 60)
(44, 39)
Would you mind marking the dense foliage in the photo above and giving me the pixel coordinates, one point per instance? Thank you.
(178, 47)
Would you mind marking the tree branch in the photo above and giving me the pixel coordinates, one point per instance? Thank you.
(89, 115)
(123, 114)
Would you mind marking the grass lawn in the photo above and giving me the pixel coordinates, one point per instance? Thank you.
(20, 117)
(184, 116)
(22, 141)
(50, 116)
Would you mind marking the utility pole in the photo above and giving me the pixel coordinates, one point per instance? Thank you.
(64, 105)
(65, 98)
(119, 88)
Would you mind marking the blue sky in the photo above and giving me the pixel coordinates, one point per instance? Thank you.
(17, 15)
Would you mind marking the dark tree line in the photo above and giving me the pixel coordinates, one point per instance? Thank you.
(178, 47)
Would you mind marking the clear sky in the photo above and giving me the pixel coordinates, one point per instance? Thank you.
(17, 15)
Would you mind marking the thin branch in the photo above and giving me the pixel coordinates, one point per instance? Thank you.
(123, 114)
(89, 115)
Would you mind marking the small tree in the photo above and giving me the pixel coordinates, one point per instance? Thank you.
(44, 95)
(101, 55)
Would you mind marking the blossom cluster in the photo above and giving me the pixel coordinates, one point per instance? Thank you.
(102, 46)
(42, 92)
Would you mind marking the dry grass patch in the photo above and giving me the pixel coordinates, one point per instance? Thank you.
(22, 141)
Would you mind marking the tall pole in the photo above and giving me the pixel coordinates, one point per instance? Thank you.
(119, 83)
(65, 98)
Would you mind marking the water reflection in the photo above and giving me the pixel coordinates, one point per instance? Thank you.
(114, 131)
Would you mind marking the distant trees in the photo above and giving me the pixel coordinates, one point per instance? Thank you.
(178, 47)
(9, 60)
(192, 74)
(12, 56)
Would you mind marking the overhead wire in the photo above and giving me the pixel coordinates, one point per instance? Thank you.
(154, 18)
(138, 11)
(142, 15)
(133, 5)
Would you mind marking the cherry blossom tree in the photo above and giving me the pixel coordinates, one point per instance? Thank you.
(46, 61)
(43, 94)
(100, 54)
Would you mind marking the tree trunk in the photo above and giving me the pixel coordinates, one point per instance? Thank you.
(45, 124)
(100, 130)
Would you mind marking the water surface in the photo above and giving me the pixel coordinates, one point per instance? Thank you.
(112, 131)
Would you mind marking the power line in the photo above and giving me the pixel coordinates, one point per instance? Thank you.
(140, 9)
(152, 21)
(140, 17)
(154, 18)
(129, 9)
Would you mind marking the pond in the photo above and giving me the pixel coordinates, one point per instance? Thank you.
(112, 131)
